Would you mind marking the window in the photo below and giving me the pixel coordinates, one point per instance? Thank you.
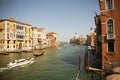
(19, 27)
(14, 41)
(110, 46)
(8, 24)
(110, 26)
(109, 4)
(8, 42)
(14, 25)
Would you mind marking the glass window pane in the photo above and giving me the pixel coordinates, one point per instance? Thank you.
(110, 26)
(109, 4)
(110, 46)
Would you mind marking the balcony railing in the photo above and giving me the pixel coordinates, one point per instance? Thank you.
(111, 36)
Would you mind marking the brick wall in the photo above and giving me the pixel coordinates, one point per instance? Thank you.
(115, 15)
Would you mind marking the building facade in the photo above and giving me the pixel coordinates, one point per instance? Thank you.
(42, 37)
(91, 39)
(35, 38)
(52, 39)
(16, 35)
(78, 39)
(109, 24)
(98, 39)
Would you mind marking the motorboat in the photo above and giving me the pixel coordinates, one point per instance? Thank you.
(39, 54)
(20, 62)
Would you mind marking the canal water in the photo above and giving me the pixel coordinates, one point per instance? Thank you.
(57, 63)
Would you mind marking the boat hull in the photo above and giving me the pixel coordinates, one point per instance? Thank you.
(20, 62)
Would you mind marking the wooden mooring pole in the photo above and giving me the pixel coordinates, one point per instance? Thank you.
(80, 63)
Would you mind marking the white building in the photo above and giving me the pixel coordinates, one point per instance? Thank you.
(42, 39)
(76, 36)
(35, 44)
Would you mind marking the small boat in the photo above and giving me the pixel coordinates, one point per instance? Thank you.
(39, 54)
(58, 48)
(20, 62)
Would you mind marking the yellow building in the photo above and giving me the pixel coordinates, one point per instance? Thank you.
(28, 37)
(19, 36)
(15, 35)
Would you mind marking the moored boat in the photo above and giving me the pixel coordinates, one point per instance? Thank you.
(39, 54)
(20, 62)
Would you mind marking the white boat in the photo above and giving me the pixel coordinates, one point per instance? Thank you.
(20, 62)
(58, 48)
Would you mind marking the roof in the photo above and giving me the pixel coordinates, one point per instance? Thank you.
(12, 20)
(52, 33)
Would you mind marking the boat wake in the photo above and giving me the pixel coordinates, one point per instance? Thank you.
(3, 68)
(20, 62)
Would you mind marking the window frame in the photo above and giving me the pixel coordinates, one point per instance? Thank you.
(112, 4)
(110, 26)
(110, 46)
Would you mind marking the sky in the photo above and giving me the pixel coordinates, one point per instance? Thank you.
(65, 17)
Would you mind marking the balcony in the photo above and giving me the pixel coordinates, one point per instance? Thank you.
(111, 36)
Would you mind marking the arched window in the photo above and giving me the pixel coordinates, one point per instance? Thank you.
(110, 35)
(110, 26)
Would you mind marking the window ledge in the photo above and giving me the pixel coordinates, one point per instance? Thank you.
(111, 53)
(110, 10)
